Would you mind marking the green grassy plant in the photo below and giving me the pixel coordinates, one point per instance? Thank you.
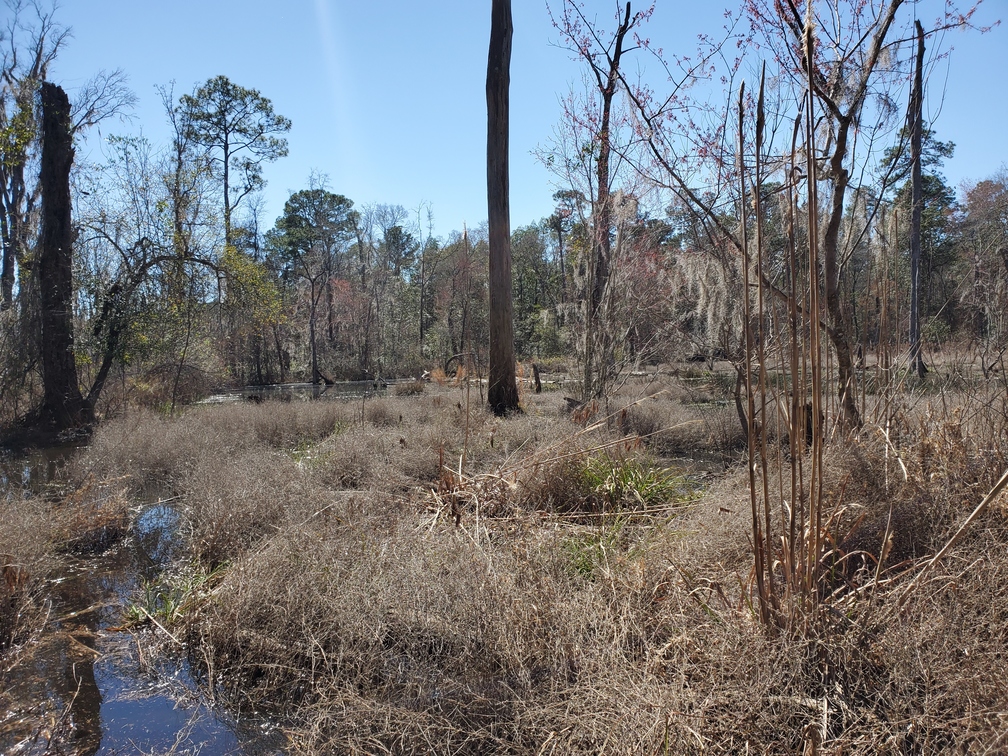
(171, 596)
(631, 482)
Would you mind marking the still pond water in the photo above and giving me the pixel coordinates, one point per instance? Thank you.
(83, 687)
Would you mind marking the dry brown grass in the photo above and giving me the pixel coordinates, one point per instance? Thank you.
(410, 577)
(92, 517)
(26, 560)
(678, 418)
(36, 531)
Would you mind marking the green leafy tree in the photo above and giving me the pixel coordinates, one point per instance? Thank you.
(937, 308)
(309, 244)
(241, 131)
(538, 290)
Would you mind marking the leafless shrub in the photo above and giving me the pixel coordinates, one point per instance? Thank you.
(91, 518)
(157, 387)
(378, 412)
(234, 501)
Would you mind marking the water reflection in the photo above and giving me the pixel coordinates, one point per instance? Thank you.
(35, 470)
(84, 687)
(305, 391)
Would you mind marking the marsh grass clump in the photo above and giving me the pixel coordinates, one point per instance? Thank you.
(409, 388)
(593, 549)
(233, 502)
(38, 532)
(633, 483)
(380, 412)
(598, 481)
(665, 413)
(170, 596)
(27, 559)
(412, 638)
(92, 518)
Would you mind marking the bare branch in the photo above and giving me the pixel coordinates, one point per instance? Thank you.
(105, 95)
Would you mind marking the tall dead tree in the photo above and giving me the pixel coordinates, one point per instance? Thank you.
(63, 404)
(502, 392)
(23, 64)
(917, 199)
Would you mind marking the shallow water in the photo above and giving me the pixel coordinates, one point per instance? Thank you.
(33, 471)
(83, 687)
(303, 391)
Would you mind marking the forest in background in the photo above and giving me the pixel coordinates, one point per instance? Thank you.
(180, 284)
(600, 573)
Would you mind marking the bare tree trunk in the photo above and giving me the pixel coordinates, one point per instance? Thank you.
(316, 377)
(62, 402)
(917, 198)
(330, 312)
(7, 266)
(502, 391)
(111, 322)
(598, 342)
(227, 188)
(563, 266)
(280, 352)
(839, 329)
(423, 284)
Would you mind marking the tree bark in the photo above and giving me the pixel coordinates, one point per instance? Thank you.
(917, 199)
(62, 403)
(316, 376)
(502, 392)
(598, 340)
(839, 329)
(7, 266)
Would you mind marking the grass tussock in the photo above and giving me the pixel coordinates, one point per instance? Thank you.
(92, 518)
(404, 575)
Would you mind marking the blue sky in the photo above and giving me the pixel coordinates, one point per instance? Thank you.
(387, 96)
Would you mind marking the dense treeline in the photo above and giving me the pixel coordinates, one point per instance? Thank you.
(181, 282)
(619, 580)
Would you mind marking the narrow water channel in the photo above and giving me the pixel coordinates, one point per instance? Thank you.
(81, 686)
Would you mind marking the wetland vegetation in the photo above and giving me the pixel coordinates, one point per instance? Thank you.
(751, 496)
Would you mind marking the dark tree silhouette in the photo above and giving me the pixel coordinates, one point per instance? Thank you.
(916, 130)
(63, 404)
(502, 392)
